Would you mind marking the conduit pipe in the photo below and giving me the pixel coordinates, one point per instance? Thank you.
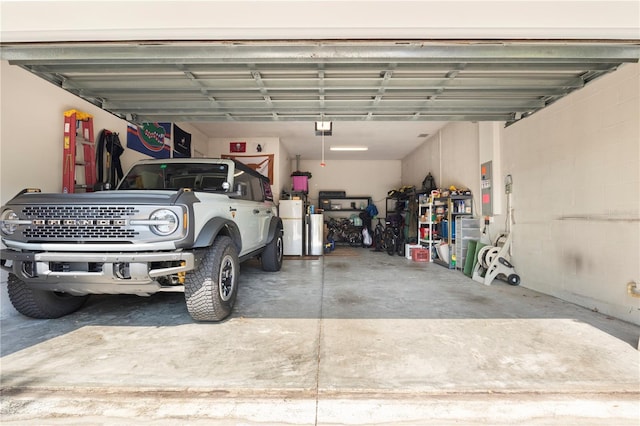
(440, 157)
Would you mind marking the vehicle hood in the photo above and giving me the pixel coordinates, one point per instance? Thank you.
(98, 198)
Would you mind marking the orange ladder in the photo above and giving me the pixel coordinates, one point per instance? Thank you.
(73, 121)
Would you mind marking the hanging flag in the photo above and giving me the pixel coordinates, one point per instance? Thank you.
(181, 143)
(152, 139)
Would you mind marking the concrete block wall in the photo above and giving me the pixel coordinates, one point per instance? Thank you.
(576, 195)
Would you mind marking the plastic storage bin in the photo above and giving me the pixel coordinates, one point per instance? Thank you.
(420, 255)
(300, 183)
(445, 229)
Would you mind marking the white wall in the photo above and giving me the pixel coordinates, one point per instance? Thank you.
(31, 133)
(451, 156)
(356, 178)
(313, 19)
(576, 195)
(221, 146)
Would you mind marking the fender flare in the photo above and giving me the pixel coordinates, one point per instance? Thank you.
(274, 226)
(218, 226)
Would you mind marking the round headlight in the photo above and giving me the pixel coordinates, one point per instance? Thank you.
(8, 228)
(166, 222)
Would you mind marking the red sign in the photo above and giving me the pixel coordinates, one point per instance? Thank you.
(237, 147)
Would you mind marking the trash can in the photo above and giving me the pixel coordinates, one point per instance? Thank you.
(316, 235)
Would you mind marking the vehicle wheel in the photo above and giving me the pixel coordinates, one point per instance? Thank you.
(513, 279)
(273, 253)
(378, 241)
(210, 291)
(401, 247)
(41, 304)
(355, 239)
(390, 244)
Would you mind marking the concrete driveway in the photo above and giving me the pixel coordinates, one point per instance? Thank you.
(362, 338)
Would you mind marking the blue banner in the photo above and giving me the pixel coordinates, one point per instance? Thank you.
(152, 139)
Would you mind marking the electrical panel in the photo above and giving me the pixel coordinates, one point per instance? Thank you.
(486, 186)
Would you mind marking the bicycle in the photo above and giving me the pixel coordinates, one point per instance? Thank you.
(394, 239)
(378, 237)
(344, 230)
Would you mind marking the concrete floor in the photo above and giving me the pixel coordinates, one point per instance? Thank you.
(362, 338)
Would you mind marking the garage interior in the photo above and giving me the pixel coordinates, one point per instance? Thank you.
(356, 336)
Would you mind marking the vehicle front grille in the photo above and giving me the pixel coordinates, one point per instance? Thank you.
(69, 223)
(78, 212)
(67, 233)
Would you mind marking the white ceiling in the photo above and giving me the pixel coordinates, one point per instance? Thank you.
(386, 140)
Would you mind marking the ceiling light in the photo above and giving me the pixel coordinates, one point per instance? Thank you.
(349, 148)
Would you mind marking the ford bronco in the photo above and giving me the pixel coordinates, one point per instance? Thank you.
(170, 225)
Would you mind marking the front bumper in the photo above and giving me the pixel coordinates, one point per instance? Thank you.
(93, 273)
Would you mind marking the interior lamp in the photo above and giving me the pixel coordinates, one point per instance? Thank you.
(348, 148)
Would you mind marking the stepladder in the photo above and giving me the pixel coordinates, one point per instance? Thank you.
(79, 165)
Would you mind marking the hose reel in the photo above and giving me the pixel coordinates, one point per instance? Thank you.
(493, 263)
(494, 260)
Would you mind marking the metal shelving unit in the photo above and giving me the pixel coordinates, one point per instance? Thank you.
(436, 223)
(344, 204)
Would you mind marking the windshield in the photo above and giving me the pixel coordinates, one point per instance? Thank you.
(173, 176)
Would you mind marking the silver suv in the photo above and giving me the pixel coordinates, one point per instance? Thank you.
(171, 225)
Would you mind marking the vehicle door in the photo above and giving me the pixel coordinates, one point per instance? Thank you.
(246, 211)
(264, 204)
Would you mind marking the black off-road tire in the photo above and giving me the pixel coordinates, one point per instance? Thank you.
(210, 291)
(41, 304)
(271, 258)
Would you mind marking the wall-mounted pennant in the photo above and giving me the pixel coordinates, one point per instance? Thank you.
(181, 143)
